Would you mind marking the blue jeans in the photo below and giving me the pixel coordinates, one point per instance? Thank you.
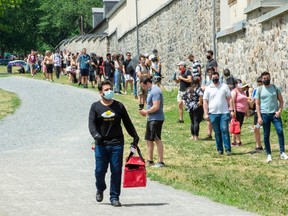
(135, 86)
(220, 125)
(112, 155)
(277, 122)
(117, 80)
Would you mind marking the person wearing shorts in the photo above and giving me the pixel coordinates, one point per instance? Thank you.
(84, 64)
(185, 80)
(155, 120)
(128, 74)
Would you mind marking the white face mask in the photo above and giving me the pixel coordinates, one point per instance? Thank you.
(239, 85)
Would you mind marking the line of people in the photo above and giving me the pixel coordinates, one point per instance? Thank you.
(222, 98)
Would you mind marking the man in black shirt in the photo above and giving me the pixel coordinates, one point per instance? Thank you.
(211, 63)
(108, 69)
(129, 72)
(105, 127)
(185, 80)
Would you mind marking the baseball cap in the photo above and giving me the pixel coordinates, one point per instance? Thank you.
(181, 63)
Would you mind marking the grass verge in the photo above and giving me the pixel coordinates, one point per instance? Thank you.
(9, 102)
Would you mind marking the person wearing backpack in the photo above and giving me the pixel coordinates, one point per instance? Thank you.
(269, 106)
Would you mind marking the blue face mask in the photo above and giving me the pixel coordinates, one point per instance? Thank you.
(108, 95)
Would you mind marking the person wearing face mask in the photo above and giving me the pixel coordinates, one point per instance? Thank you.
(210, 63)
(216, 98)
(239, 108)
(185, 80)
(105, 127)
(269, 106)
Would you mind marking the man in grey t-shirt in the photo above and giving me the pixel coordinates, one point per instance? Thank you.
(268, 111)
(155, 119)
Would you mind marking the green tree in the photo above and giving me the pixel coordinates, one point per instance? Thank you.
(20, 32)
(42, 24)
(61, 19)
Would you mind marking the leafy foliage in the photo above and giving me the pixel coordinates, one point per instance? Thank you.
(41, 24)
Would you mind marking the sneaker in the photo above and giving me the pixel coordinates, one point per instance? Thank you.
(116, 203)
(269, 158)
(180, 121)
(228, 153)
(284, 156)
(159, 165)
(234, 144)
(259, 148)
(136, 97)
(208, 137)
(239, 144)
(99, 196)
(150, 163)
(220, 152)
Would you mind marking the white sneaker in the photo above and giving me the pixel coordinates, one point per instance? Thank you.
(269, 158)
(284, 156)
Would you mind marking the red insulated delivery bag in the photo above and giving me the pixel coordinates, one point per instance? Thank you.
(134, 171)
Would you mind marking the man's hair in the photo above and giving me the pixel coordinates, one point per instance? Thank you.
(265, 73)
(147, 80)
(105, 82)
(210, 52)
(190, 56)
(108, 54)
(215, 73)
(227, 72)
(141, 56)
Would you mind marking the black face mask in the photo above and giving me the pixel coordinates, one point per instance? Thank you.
(209, 57)
(266, 82)
(215, 80)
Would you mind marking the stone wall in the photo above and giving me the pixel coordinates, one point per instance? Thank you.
(185, 26)
(261, 47)
(180, 28)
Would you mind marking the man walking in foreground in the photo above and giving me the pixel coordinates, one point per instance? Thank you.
(216, 98)
(268, 110)
(105, 127)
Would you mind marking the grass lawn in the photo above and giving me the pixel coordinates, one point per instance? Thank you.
(243, 180)
(9, 102)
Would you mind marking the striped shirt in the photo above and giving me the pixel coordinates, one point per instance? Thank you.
(195, 65)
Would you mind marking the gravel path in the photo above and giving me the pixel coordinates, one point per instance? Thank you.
(47, 167)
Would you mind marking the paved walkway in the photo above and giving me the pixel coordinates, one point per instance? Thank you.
(47, 167)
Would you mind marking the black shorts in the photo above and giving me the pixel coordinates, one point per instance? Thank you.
(240, 117)
(92, 77)
(84, 72)
(49, 68)
(153, 130)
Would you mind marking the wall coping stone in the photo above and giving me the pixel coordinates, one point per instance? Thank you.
(263, 3)
(235, 28)
(273, 13)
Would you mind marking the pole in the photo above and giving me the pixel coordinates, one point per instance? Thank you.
(81, 23)
(137, 28)
(214, 30)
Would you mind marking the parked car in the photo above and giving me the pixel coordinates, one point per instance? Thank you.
(18, 63)
(4, 61)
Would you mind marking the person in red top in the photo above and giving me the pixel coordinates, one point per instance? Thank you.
(240, 106)
(31, 60)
